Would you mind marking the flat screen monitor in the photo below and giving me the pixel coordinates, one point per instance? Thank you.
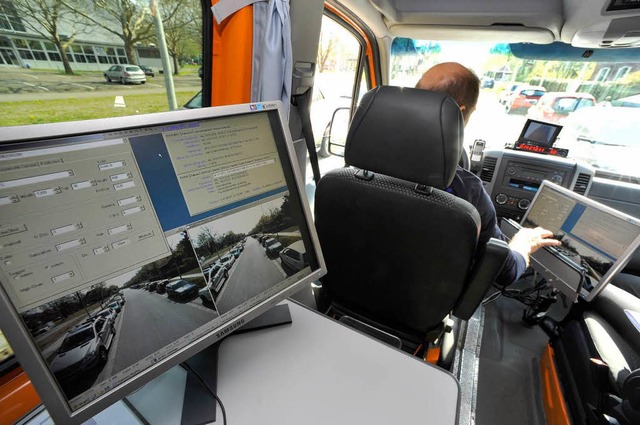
(596, 239)
(539, 133)
(128, 245)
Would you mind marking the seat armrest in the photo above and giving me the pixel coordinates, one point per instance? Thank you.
(483, 275)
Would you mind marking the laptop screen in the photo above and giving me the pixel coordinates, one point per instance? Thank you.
(594, 237)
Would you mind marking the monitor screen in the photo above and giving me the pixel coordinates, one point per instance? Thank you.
(540, 133)
(129, 244)
(594, 237)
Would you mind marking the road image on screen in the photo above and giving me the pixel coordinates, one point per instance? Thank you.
(592, 238)
(540, 133)
(121, 248)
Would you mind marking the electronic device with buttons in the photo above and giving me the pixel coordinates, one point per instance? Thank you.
(539, 137)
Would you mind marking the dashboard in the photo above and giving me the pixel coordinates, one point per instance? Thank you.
(512, 178)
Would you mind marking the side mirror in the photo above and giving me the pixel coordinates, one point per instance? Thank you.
(337, 130)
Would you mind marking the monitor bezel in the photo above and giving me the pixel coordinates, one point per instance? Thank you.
(554, 136)
(21, 341)
(620, 262)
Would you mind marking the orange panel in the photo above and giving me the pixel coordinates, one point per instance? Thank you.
(232, 56)
(368, 46)
(554, 405)
(17, 397)
(433, 355)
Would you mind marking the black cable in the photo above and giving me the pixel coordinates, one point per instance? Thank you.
(188, 368)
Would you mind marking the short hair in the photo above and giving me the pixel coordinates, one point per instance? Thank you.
(463, 87)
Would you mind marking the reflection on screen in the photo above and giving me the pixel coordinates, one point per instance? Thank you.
(540, 133)
(122, 249)
(592, 239)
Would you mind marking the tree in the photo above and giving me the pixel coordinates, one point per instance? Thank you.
(44, 18)
(129, 20)
(182, 26)
(325, 48)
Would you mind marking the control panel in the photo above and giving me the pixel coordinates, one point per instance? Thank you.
(512, 178)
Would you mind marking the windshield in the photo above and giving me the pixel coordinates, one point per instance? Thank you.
(76, 340)
(601, 125)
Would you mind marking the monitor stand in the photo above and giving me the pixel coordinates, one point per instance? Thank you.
(198, 407)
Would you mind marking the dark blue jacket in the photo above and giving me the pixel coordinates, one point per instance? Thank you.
(468, 186)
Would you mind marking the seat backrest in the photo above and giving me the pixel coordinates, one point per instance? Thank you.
(398, 247)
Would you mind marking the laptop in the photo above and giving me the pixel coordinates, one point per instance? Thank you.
(597, 241)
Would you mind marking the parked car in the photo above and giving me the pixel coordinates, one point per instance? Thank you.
(272, 247)
(487, 83)
(505, 95)
(606, 138)
(629, 101)
(181, 289)
(84, 348)
(147, 70)
(125, 74)
(216, 278)
(227, 261)
(161, 287)
(235, 252)
(115, 306)
(556, 106)
(107, 313)
(293, 258)
(523, 98)
(44, 328)
(152, 286)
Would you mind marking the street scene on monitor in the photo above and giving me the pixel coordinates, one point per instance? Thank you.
(124, 324)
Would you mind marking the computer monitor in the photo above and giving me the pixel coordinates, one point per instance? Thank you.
(596, 239)
(127, 245)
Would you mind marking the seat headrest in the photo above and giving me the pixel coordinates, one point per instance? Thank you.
(408, 133)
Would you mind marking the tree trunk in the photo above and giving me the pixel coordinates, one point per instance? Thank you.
(176, 70)
(65, 59)
(128, 49)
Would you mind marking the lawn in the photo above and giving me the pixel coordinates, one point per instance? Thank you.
(77, 109)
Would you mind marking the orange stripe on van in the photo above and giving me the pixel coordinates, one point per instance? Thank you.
(368, 47)
(554, 405)
(232, 56)
(17, 397)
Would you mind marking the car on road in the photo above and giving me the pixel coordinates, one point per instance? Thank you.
(523, 98)
(161, 287)
(606, 138)
(272, 247)
(152, 286)
(148, 71)
(115, 306)
(181, 289)
(235, 252)
(108, 313)
(227, 261)
(216, 278)
(555, 107)
(629, 101)
(120, 298)
(125, 74)
(84, 348)
(293, 258)
(505, 95)
(487, 83)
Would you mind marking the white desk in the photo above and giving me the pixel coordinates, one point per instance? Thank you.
(317, 371)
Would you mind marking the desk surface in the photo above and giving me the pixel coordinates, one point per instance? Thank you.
(317, 371)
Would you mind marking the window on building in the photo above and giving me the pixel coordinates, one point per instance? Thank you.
(622, 72)
(603, 74)
(9, 19)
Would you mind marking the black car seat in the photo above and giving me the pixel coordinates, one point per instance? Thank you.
(401, 251)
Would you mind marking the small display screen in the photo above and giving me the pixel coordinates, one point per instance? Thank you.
(539, 133)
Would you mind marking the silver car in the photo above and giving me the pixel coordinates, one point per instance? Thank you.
(125, 74)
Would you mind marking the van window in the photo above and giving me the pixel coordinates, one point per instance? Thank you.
(61, 75)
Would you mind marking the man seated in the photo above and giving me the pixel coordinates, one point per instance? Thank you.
(463, 86)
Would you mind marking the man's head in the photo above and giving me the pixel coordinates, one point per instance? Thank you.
(457, 81)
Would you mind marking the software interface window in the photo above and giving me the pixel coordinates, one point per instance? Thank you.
(119, 249)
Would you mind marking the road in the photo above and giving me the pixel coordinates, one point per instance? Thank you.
(253, 273)
(150, 321)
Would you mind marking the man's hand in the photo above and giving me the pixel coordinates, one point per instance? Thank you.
(528, 241)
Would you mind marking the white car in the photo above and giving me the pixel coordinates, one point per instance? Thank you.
(125, 74)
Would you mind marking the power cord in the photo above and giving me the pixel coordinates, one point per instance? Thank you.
(188, 368)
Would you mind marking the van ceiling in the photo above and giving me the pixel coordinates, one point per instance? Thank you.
(584, 23)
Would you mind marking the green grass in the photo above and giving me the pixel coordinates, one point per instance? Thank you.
(78, 109)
